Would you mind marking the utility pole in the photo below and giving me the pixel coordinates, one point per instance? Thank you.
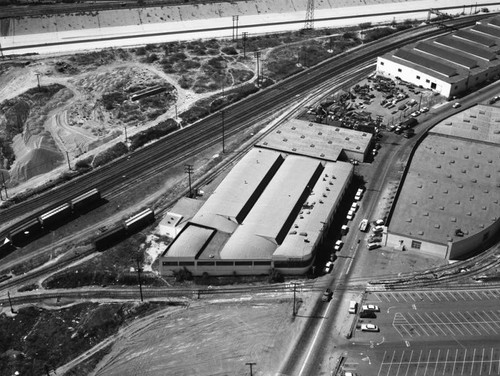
(1, 52)
(67, 158)
(38, 79)
(175, 111)
(223, 131)
(4, 186)
(235, 28)
(251, 364)
(125, 128)
(188, 169)
(10, 303)
(245, 37)
(257, 57)
(139, 276)
(294, 290)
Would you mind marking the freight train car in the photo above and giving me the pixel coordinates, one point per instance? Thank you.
(139, 221)
(26, 232)
(85, 202)
(6, 247)
(110, 238)
(55, 217)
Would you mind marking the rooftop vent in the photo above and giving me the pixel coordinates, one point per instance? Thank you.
(330, 142)
(431, 196)
(448, 123)
(357, 148)
(471, 197)
(320, 133)
(466, 121)
(438, 166)
(488, 175)
(480, 225)
(265, 143)
(437, 225)
(302, 136)
(303, 233)
(457, 202)
(278, 131)
(482, 113)
(312, 145)
(468, 214)
(311, 124)
(441, 208)
(420, 232)
(364, 134)
(479, 151)
(328, 189)
(464, 171)
(337, 129)
(453, 219)
(473, 116)
(452, 161)
(445, 191)
(466, 156)
(484, 207)
(408, 220)
(434, 180)
(321, 202)
(460, 186)
(474, 180)
(419, 186)
(426, 214)
(442, 152)
(321, 155)
(294, 149)
(285, 140)
(448, 175)
(414, 202)
(293, 128)
(347, 138)
(476, 166)
(474, 128)
(293, 232)
(486, 191)
(455, 147)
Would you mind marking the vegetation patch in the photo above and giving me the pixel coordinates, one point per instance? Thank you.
(36, 339)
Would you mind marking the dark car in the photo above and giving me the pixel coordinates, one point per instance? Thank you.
(367, 315)
(327, 295)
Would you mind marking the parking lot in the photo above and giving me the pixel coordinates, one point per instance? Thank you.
(451, 323)
(446, 361)
(435, 296)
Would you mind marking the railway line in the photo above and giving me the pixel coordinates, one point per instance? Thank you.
(179, 146)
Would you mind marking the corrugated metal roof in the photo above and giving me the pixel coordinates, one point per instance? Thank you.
(467, 47)
(446, 54)
(476, 38)
(495, 21)
(426, 62)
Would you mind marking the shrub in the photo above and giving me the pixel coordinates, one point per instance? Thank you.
(275, 277)
(229, 50)
(162, 129)
(141, 51)
(112, 153)
(111, 100)
(183, 275)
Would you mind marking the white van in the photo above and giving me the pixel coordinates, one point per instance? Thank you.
(353, 306)
(363, 225)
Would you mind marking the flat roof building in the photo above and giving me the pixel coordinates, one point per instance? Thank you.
(320, 141)
(449, 202)
(272, 211)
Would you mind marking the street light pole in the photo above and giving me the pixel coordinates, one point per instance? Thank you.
(251, 364)
(38, 79)
(245, 37)
(294, 290)
(188, 169)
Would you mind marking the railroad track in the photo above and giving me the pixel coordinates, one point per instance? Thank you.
(183, 144)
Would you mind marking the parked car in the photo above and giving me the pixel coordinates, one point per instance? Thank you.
(379, 222)
(327, 295)
(424, 109)
(367, 315)
(350, 215)
(375, 238)
(456, 105)
(338, 245)
(328, 267)
(371, 307)
(369, 328)
(371, 246)
(378, 229)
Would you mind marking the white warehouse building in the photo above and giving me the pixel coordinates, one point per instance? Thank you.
(450, 64)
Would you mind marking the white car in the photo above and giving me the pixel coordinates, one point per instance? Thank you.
(350, 215)
(424, 109)
(379, 222)
(378, 229)
(456, 105)
(328, 267)
(371, 246)
(369, 328)
(371, 307)
(354, 206)
(338, 245)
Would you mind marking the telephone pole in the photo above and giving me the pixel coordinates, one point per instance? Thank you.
(139, 277)
(251, 364)
(245, 37)
(223, 131)
(309, 25)
(4, 186)
(257, 57)
(188, 169)
(294, 290)
(38, 79)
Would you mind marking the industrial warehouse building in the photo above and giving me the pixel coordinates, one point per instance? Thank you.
(450, 64)
(273, 209)
(449, 203)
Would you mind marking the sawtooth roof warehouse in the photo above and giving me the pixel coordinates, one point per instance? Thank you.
(450, 64)
(274, 207)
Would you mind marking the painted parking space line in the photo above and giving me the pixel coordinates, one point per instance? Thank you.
(476, 323)
(436, 296)
(446, 361)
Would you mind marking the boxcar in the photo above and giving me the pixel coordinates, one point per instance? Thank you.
(85, 201)
(139, 221)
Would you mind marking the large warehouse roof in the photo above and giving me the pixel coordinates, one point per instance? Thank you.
(471, 36)
(435, 65)
(480, 123)
(230, 202)
(316, 140)
(323, 199)
(269, 219)
(453, 182)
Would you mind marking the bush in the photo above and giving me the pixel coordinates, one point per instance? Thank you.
(141, 51)
(111, 100)
(183, 275)
(276, 277)
(229, 51)
(84, 164)
(153, 133)
(112, 153)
